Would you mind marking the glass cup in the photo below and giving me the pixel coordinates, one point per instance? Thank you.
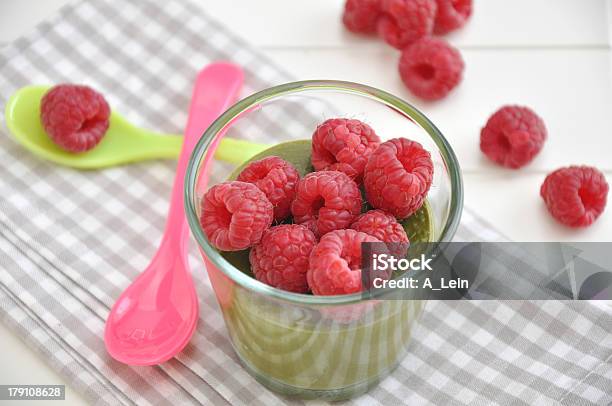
(329, 347)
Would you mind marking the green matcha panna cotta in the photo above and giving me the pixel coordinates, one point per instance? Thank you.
(418, 226)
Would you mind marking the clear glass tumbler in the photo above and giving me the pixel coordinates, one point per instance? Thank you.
(330, 347)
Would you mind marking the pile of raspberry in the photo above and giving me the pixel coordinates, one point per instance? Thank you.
(304, 234)
(429, 66)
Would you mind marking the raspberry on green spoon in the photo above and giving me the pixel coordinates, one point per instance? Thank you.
(122, 142)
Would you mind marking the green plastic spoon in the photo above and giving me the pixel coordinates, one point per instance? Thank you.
(123, 142)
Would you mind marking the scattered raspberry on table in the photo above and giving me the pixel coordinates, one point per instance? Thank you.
(335, 263)
(513, 136)
(430, 68)
(360, 16)
(576, 195)
(275, 177)
(404, 21)
(326, 201)
(281, 258)
(451, 15)
(343, 145)
(234, 215)
(75, 117)
(398, 176)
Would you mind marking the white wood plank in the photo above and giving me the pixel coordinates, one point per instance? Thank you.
(316, 23)
(570, 89)
(512, 203)
(536, 23)
(498, 23)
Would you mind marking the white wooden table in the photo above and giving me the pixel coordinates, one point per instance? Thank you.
(553, 55)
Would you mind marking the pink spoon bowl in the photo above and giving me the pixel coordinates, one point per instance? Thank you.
(155, 317)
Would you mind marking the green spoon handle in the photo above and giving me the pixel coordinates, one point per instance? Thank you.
(237, 151)
(165, 146)
(230, 150)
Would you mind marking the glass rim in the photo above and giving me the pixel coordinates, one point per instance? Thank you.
(394, 102)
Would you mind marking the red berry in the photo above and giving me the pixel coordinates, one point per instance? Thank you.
(335, 263)
(234, 215)
(343, 145)
(451, 15)
(575, 195)
(275, 177)
(361, 15)
(513, 136)
(397, 177)
(281, 258)
(381, 225)
(347, 169)
(404, 21)
(75, 117)
(326, 201)
(430, 68)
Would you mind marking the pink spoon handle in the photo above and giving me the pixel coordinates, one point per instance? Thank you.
(210, 155)
(156, 315)
(216, 88)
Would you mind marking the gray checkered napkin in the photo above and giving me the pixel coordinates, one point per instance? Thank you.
(71, 241)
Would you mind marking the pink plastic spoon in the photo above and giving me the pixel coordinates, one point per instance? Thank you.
(156, 315)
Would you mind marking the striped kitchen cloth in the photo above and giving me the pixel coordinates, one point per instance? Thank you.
(71, 241)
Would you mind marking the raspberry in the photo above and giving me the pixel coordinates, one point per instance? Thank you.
(404, 21)
(75, 117)
(234, 215)
(575, 195)
(347, 169)
(397, 177)
(335, 263)
(381, 225)
(430, 68)
(343, 145)
(275, 177)
(281, 259)
(513, 136)
(361, 15)
(326, 201)
(451, 15)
